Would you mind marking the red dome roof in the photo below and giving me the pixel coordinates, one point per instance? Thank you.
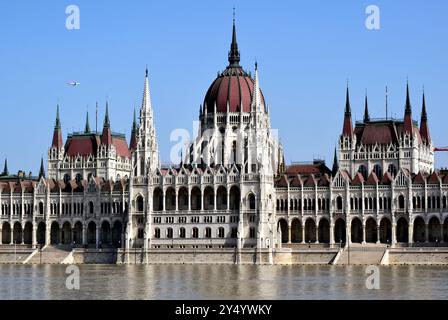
(233, 86)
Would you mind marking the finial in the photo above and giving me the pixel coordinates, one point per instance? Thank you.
(256, 64)
(233, 14)
(146, 71)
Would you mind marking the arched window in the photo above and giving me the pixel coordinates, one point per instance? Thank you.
(91, 207)
(78, 178)
(208, 232)
(169, 233)
(401, 202)
(252, 201)
(339, 203)
(157, 233)
(41, 208)
(139, 204)
(182, 232)
(378, 170)
(220, 232)
(392, 170)
(66, 178)
(195, 233)
(363, 170)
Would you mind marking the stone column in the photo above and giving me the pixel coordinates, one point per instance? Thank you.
(394, 234)
(303, 233)
(97, 240)
(441, 233)
(189, 199)
(33, 235)
(426, 232)
(177, 199)
(348, 231)
(163, 200)
(228, 199)
(331, 235)
(317, 234)
(84, 234)
(215, 199)
(364, 234)
(1, 235)
(289, 234)
(47, 233)
(410, 234)
(378, 234)
(202, 200)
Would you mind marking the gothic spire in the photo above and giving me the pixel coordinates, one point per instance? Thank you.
(234, 54)
(57, 132)
(256, 100)
(347, 129)
(42, 169)
(335, 163)
(424, 128)
(366, 111)
(87, 128)
(407, 127)
(5, 168)
(146, 102)
(106, 137)
(106, 116)
(133, 143)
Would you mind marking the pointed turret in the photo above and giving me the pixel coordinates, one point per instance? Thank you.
(347, 129)
(133, 143)
(407, 127)
(424, 129)
(335, 163)
(87, 128)
(146, 102)
(106, 137)
(234, 54)
(5, 168)
(57, 133)
(42, 169)
(366, 111)
(256, 100)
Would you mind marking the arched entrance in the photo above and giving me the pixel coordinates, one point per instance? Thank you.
(419, 230)
(324, 231)
(182, 199)
(310, 231)
(28, 233)
(157, 204)
(434, 230)
(116, 234)
(445, 230)
(234, 198)
(371, 231)
(283, 227)
(41, 229)
(385, 231)
(170, 199)
(91, 233)
(195, 198)
(77, 233)
(209, 198)
(54, 233)
(105, 233)
(402, 230)
(296, 231)
(221, 198)
(356, 230)
(340, 235)
(66, 233)
(6, 233)
(17, 233)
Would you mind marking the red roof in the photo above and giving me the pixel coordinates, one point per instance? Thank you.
(358, 179)
(419, 179)
(434, 178)
(372, 179)
(381, 132)
(235, 87)
(307, 168)
(87, 144)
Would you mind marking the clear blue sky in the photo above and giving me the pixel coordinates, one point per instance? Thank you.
(305, 50)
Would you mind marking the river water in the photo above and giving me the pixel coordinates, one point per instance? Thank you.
(222, 282)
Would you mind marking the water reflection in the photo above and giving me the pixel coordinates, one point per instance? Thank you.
(222, 282)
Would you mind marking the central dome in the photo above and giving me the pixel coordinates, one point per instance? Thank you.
(233, 86)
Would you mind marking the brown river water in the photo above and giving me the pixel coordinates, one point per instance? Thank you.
(222, 282)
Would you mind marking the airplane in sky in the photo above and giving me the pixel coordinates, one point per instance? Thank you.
(73, 83)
